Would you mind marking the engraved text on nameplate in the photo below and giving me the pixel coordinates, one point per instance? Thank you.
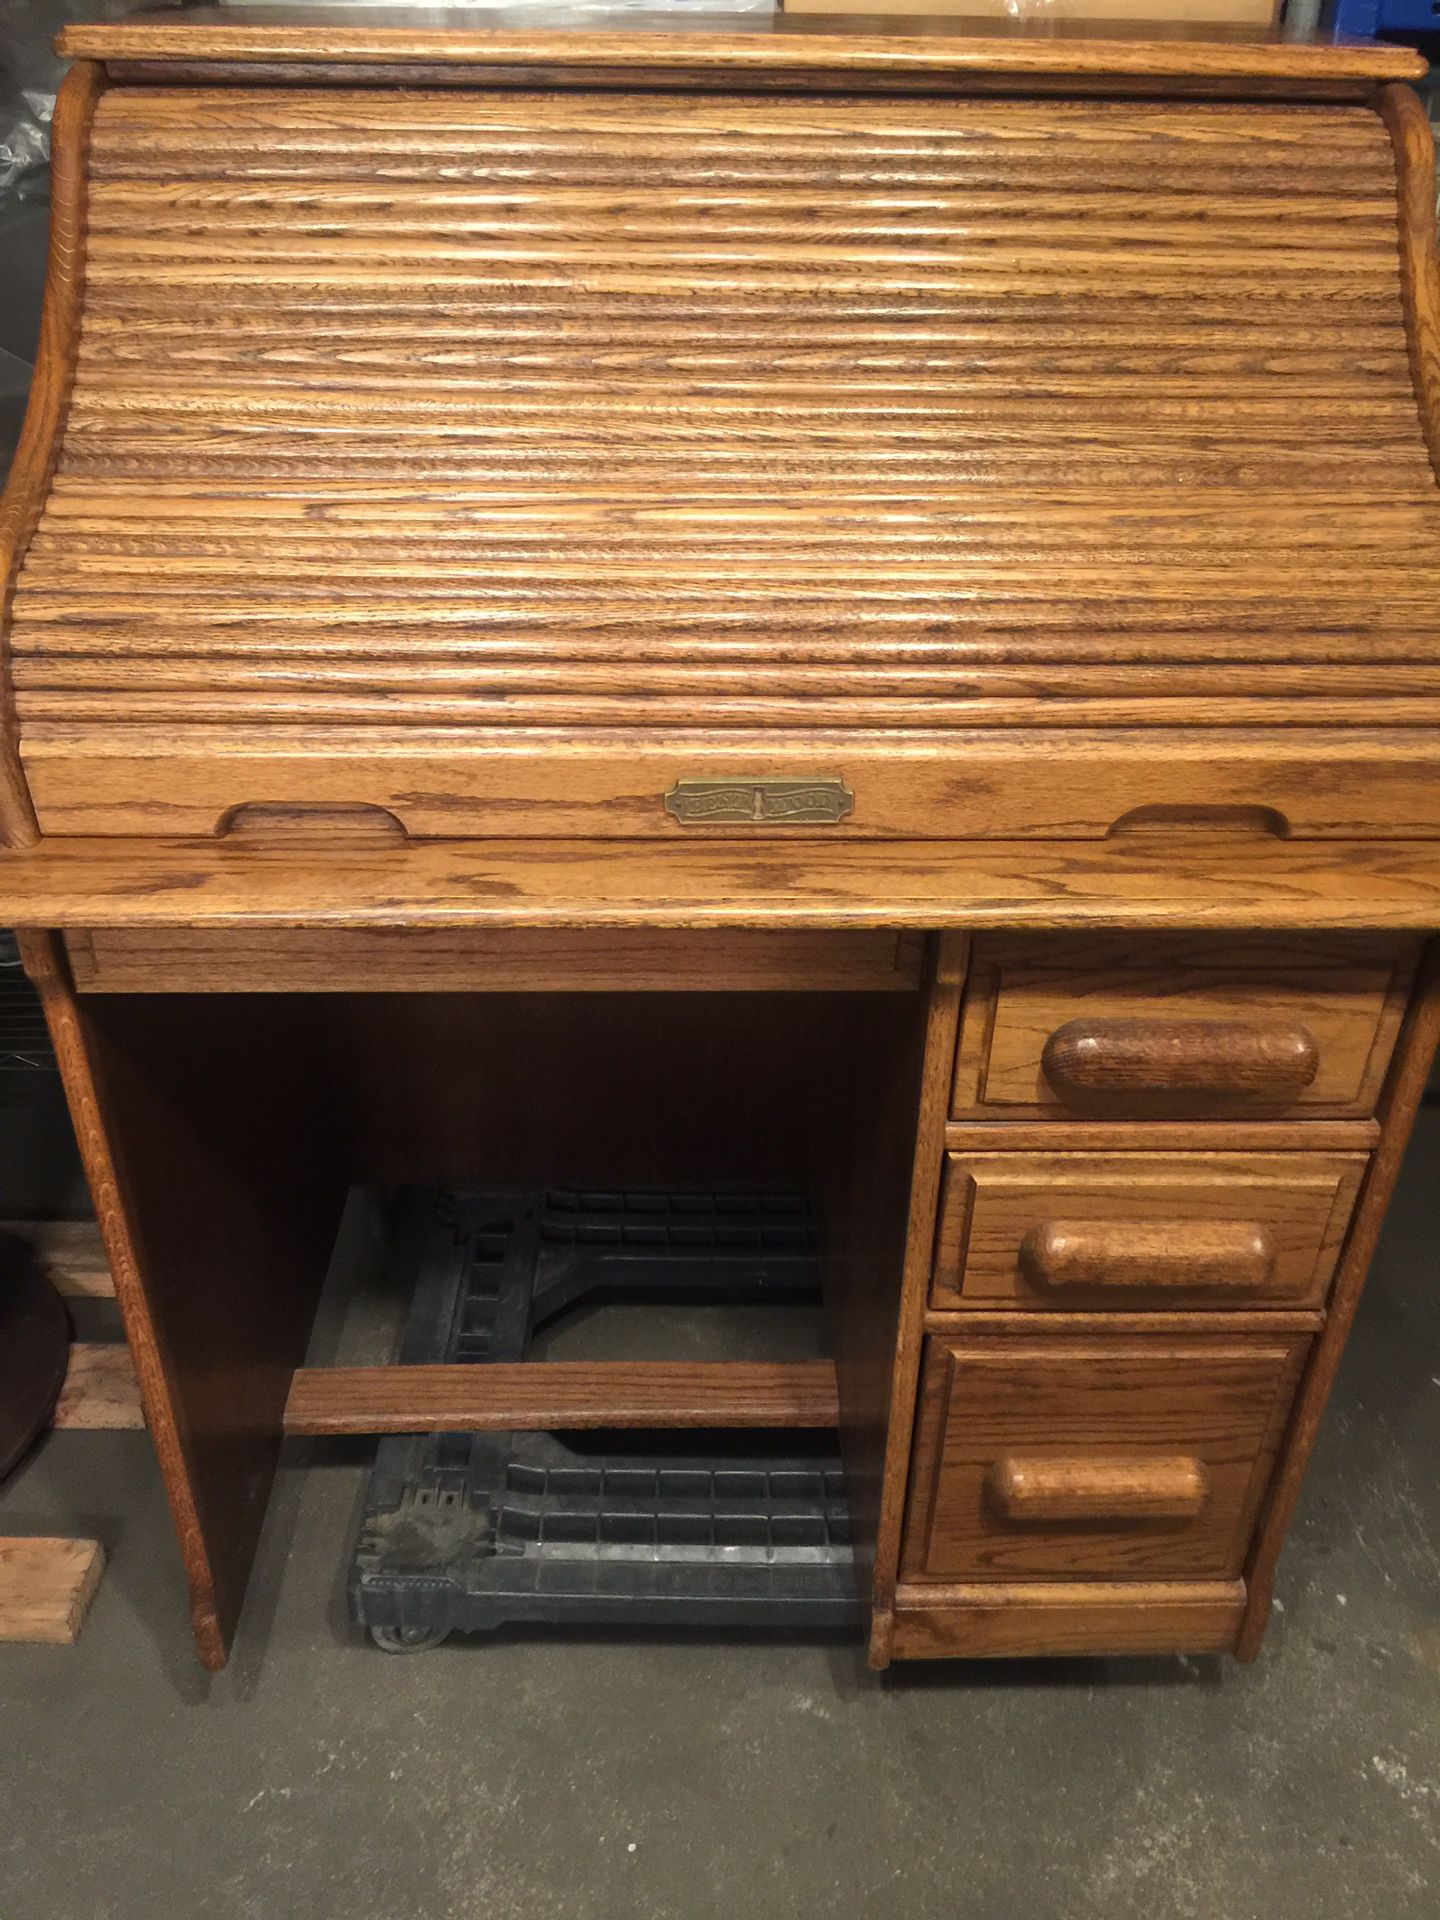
(763, 802)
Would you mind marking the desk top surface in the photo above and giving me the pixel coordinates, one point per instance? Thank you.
(1135, 882)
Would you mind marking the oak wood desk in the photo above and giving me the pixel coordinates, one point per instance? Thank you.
(775, 602)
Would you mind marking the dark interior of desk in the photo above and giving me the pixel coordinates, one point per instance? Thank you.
(237, 1123)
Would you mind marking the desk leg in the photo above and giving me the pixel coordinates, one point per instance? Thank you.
(207, 1138)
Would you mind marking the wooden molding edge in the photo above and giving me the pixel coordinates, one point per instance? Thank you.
(714, 46)
(1373, 886)
(44, 426)
(1414, 146)
(999, 1619)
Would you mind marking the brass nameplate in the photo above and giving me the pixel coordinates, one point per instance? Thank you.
(771, 803)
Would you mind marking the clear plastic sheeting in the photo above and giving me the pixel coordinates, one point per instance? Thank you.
(30, 72)
(25, 142)
(528, 13)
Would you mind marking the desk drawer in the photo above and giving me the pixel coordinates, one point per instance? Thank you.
(1114, 1027)
(1098, 1456)
(1068, 1231)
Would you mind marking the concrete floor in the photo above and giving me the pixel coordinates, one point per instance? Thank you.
(611, 1776)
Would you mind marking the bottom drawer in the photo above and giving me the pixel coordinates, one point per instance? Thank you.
(1098, 1456)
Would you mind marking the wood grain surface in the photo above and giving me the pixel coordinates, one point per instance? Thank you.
(1172, 1255)
(46, 1587)
(1095, 1026)
(1342, 782)
(1095, 1064)
(1061, 1231)
(724, 44)
(1219, 1402)
(502, 960)
(1165, 1136)
(1154, 1324)
(101, 1392)
(562, 1394)
(883, 1332)
(1132, 882)
(1038, 1488)
(159, 1382)
(1057, 1618)
(211, 1158)
(1414, 145)
(500, 458)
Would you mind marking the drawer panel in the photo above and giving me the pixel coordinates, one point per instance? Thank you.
(1101, 1456)
(1068, 1231)
(1111, 1027)
(507, 960)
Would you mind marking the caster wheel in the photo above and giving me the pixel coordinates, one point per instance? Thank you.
(408, 1639)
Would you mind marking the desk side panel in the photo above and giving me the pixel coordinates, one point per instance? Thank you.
(33, 464)
(208, 1148)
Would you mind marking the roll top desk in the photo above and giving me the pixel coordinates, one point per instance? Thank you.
(703, 601)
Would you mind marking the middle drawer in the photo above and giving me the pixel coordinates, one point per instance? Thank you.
(1067, 1231)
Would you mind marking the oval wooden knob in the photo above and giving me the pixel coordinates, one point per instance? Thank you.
(1118, 1489)
(1091, 1062)
(1198, 1254)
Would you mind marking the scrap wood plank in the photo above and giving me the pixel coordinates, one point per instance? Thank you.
(46, 1587)
(100, 1390)
(71, 1254)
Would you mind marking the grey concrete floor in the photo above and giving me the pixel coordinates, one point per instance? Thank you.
(609, 1776)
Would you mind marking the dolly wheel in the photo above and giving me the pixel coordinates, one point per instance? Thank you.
(408, 1639)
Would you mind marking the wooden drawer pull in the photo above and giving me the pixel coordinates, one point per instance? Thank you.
(1091, 1061)
(1113, 1488)
(312, 822)
(1148, 1253)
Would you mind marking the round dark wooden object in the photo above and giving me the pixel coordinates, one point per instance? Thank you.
(34, 1350)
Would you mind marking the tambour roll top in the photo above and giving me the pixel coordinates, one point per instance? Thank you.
(927, 452)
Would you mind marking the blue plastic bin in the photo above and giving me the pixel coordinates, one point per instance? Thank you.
(1366, 18)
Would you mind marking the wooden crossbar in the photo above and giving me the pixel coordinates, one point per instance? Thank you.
(542, 1395)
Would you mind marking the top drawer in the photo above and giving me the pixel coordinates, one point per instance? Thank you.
(1110, 1027)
